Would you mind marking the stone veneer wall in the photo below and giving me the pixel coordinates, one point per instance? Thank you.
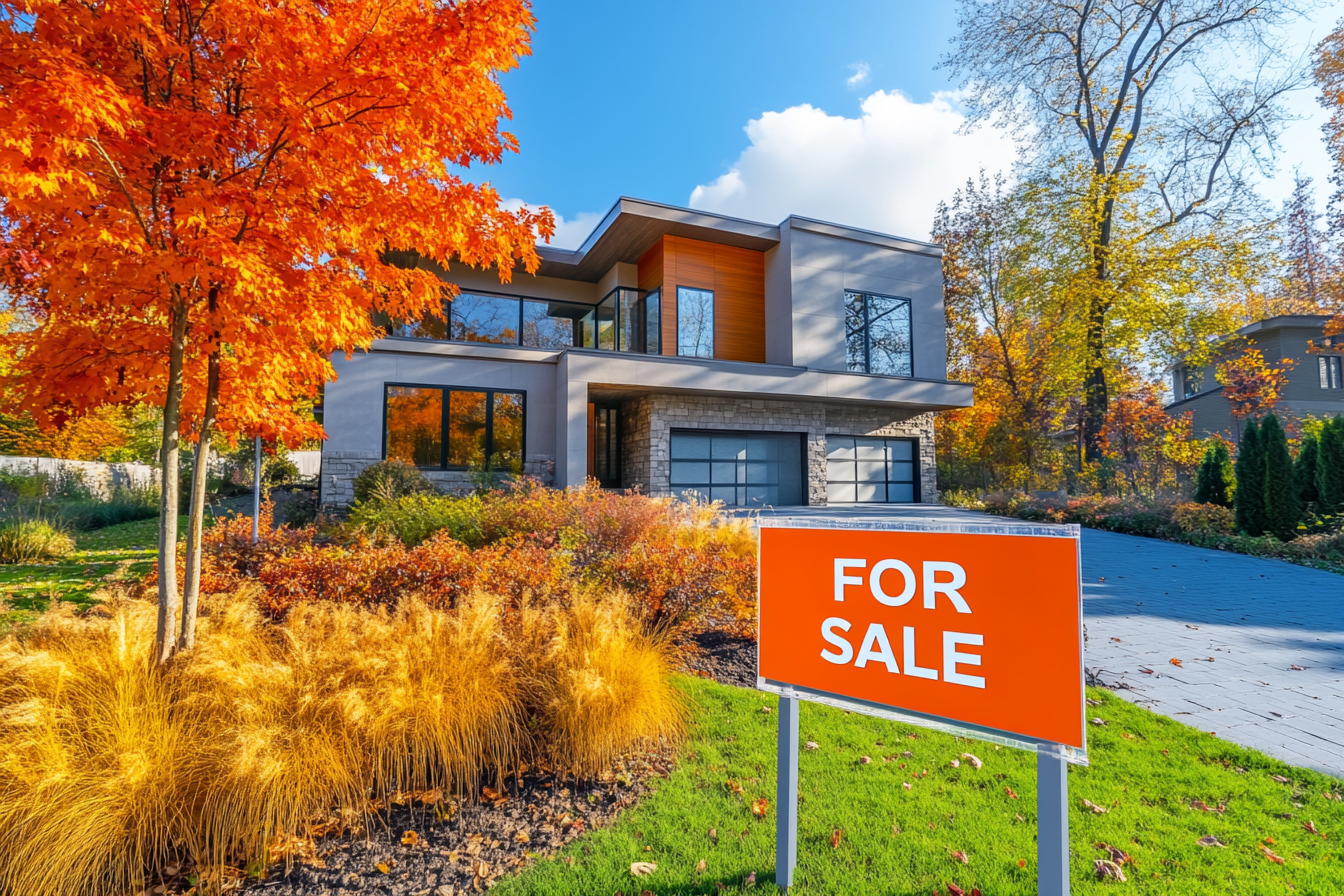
(647, 422)
(339, 469)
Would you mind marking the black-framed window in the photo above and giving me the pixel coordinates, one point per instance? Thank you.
(627, 320)
(1332, 371)
(872, 471)
(1188, 381)
(877, 334)
(695, 322)
(446, 427)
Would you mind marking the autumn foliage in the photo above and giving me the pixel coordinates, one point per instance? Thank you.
(682, 565)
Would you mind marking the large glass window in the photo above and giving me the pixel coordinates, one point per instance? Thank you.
(695, 322)
(1332, 371)
(747, 469)
(433, 426)
(485, 318)
(877, 334)
(863, 470)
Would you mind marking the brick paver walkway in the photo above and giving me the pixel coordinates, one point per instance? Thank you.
(1237, 624)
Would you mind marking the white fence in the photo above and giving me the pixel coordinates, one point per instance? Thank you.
(102, 478)
(98, 476)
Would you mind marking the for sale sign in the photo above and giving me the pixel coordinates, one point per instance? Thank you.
(972, 627)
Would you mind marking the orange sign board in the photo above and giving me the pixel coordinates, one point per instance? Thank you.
(974, 629)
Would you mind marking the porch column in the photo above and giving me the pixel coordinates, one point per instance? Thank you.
(571, 430)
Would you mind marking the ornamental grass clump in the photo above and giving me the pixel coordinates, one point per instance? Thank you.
(33, 540)
(113, 768)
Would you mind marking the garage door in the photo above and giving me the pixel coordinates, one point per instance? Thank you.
(871, 471)
(741, 469)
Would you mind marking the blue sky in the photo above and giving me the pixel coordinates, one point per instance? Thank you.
(762, 109)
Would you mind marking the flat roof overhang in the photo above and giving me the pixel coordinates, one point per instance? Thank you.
(617, 376)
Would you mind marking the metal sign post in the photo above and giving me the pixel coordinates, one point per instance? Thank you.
(983, 641)
(256, 495)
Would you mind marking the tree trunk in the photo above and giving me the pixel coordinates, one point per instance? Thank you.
(168, 502)
(1096, 399)
(196, 520)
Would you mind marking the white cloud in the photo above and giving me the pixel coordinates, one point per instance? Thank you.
(569, 232)
(886, 170)
(860, 75)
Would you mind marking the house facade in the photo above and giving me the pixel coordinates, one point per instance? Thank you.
(677, 352)
(1315, 384)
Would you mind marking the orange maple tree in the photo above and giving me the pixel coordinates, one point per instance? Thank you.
(1251, 385)
(201, 202)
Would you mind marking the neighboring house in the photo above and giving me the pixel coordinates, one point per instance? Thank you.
(1315, 385)
(675, 351)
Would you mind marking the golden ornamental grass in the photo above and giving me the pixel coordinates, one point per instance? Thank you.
(112, 768)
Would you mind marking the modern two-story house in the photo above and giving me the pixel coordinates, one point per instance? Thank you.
(1315, 383)
(676, 352)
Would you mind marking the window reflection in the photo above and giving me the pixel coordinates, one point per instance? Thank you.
(485, 318)
(877, 334)
(481, 428)
(695, 322)
(507, 450)
(414, 425)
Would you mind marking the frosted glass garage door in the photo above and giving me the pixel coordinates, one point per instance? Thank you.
(741, 469)
(871, 471)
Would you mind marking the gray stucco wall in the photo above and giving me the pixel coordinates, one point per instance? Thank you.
(647, 422)
(822, 267)
(354, 410)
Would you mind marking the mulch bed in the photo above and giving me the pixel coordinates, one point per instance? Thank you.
(449, 848)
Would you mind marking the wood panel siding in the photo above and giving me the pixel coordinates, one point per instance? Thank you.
(737, 277)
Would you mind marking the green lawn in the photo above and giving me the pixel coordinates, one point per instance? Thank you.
(127, 550)
(1146, 771)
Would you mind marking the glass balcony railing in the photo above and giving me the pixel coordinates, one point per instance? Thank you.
(626, 320)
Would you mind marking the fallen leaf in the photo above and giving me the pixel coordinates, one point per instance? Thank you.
(713, 832)
(493, 795)
(1200, 805)
(1107, 869)
(954, 764)
(700, 866)
(382, 866)
(1188, 625)
(751, 879)
(835, 839)
(1310, 828)
(1269, 854)
(1146, 671)
(521, 836)
(895, 829)
(1098, 721)
(1175, 662)
(643, 869)
(410, 838)
(1296, 668)
(733, 786)
(1126, 735)
(1097, 810)
(759, 807)
(765, 709)
(1118, 855)
(975, 761)
(810, 745)
(1010, 792)
(1280, 778)
(1021, 819)
(960, 857)
(955, 890)
(1021, 863)
(1211, 840)
(1117, 640)
(906, 754)
(864, 760)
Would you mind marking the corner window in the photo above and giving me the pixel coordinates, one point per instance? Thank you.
(877, 334)
(437, 427)
(695, 322)
(1332, 371)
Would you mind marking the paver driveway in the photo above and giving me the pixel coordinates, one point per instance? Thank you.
(1237, 624)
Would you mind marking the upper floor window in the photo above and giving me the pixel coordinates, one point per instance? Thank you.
(628, 316)
(1187, 383)
(877, 334)
(433, 426)
(1332, 371)
(695, 322)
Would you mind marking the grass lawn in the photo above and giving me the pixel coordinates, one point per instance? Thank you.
(29, 588)
(1146, 771)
